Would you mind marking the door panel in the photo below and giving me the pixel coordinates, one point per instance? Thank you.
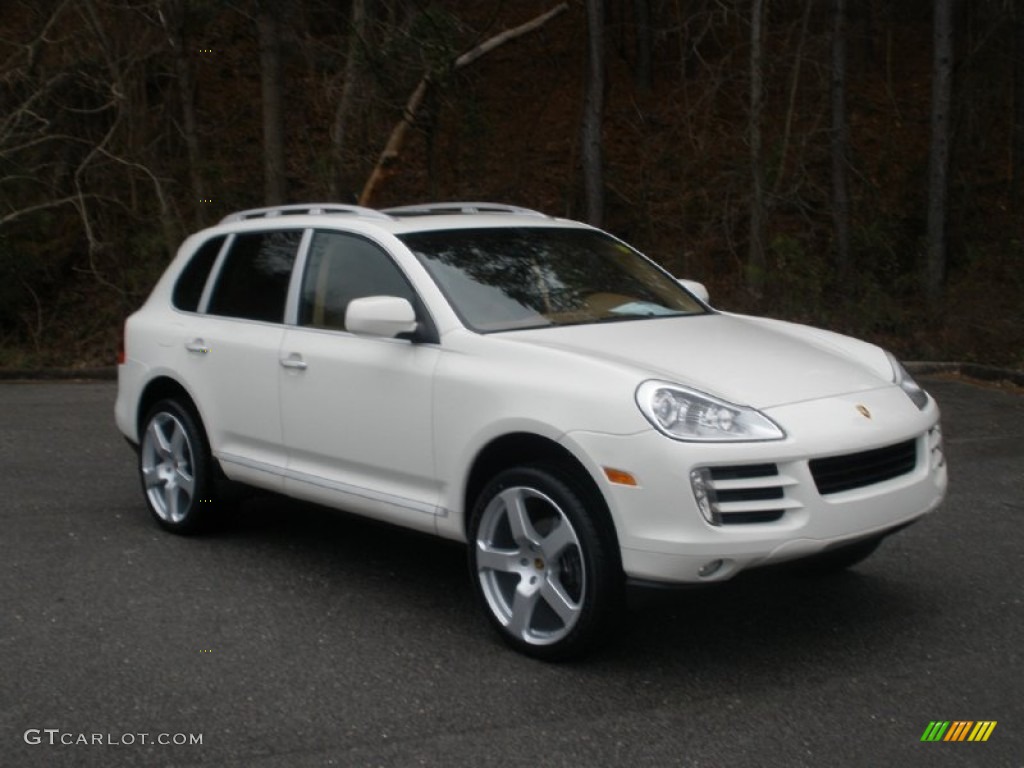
(236, 381)
(357, 423)
(231, 353)
(357, 410)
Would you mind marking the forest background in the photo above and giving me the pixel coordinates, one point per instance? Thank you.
(853, 164)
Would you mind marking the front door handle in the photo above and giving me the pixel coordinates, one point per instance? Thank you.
(197, 345)
(294, 361)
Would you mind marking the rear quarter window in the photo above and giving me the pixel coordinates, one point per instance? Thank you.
(189, 288)
(253, 282)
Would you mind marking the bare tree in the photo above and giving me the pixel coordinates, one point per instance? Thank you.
(389, 156)
(272, 89)
(593, 115)
(794, 88)
(756, 261)
(840, 142)
(357, 40)
(1018, 107)
(85, 187)
(938, 164)
(173, 16)
(643, 70)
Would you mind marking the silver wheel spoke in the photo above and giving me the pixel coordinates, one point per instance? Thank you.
(557, 541)
(185, 482)
(178, 446)
(151, 477)
(497, 559)
(160, 444)
(170, 502)
(555, 596)
(518, 520)
(523, 605)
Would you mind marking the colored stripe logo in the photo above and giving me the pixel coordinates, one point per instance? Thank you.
(958, 730)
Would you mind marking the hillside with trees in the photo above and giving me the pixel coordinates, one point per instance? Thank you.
(854, 164)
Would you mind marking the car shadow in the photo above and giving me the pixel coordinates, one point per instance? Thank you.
(762, 620)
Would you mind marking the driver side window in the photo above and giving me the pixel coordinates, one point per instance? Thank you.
(342, 267)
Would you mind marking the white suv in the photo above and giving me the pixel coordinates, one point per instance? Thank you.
(530, 385)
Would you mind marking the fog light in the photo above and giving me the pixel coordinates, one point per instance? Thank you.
(704, 493)
(710, 568)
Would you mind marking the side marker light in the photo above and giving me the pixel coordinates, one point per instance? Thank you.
(620, 477)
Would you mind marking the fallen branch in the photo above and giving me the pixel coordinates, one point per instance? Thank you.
(394, 146)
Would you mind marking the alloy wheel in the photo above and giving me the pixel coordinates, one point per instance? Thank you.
(530, 565)
(167, 463)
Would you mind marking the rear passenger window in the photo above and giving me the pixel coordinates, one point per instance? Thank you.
(253, 283)
(341, 268)
(189, 288)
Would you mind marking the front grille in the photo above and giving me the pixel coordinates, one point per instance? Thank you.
(857, 470)
(749, 493)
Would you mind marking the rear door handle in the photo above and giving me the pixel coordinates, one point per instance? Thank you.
(197, 345)
(294, 361)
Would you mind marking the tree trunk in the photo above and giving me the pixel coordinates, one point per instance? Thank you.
(271, 81)
(175, 26)
(794, 88)
(938, 163)
(642, 74)
(756, 263)
(840, 143)
(1018, 110)
(342, 116)
(593, 112)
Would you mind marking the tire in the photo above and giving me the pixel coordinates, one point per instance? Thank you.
(177, 473)
(545, 571)
(839, 559)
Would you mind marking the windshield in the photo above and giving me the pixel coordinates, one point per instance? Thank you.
(531, 277)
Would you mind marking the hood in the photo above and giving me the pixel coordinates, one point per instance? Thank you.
(745, 360)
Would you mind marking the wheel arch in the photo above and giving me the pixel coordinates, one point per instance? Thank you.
(525, 448)
(164, 388)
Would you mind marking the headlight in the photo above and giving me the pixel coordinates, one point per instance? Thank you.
(685, 414)
(906, 382)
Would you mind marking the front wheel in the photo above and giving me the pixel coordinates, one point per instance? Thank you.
(176, 469)
(544, 568)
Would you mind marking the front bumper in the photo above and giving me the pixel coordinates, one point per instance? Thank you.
(664, 537)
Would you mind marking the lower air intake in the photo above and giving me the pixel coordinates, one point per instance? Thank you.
(859, 470)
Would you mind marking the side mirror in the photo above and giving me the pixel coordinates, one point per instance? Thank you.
(386, 316)
(697, 289)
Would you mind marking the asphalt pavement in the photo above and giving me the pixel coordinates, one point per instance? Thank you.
(295, 636)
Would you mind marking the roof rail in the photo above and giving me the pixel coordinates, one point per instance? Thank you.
(428, 209)
(303, 209)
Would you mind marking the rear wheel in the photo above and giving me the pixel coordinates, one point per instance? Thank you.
(176, 469)
(545, 571)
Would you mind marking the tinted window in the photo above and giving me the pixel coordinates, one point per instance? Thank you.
(529, 277)
(253, 282)
(189, 288)
(343, 267)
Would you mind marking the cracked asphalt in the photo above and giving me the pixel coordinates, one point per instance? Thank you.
(296, 636)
